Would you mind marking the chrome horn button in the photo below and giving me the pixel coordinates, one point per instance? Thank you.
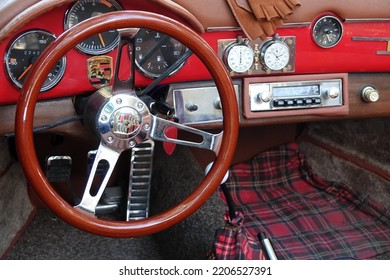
(123, 121)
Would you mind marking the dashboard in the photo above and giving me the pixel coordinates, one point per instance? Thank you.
(327, 66)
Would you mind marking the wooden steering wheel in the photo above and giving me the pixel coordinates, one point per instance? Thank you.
(147, 126)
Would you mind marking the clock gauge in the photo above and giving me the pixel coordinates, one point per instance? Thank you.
(327, 31)
(275, 55)
(239, 57)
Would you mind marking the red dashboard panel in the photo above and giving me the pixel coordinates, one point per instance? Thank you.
(364, 47)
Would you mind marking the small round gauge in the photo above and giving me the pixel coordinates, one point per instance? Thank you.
(100, 43)
(275, 55)
(155, 52)
(239, 57)
(22, 54)
(327, 31)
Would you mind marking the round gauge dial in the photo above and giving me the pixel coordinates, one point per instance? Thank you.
(22, 54)
(275, 55)
(155, 52)
(327, 31)
(102, 42)
(239, 57)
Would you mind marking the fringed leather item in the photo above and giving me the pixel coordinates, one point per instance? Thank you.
(260, 18)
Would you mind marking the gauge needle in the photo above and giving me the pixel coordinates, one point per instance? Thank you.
(25, 72)
(101, 40)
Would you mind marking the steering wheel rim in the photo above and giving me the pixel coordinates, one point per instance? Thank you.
(26, 107)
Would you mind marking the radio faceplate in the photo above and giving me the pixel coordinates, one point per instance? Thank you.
(295, 95)
(324, 94)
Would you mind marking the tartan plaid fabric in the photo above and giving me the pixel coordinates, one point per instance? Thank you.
(233, 243)
(305, 217)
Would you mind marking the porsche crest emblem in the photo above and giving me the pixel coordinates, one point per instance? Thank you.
(100, 70)
(125, 122)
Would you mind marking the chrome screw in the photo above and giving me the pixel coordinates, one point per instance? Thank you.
(132, 144)
(119, 101)
(104, 118)
(110, 139)
(146, 127)
(140, 105)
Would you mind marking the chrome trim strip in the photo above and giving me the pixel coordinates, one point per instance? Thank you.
(237, 28)
(366, 20)
(383, 53)
(372, 39)
(295, 24)
(223, 28)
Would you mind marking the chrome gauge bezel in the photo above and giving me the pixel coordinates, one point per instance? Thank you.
(266, 48)
(82, 47)
(229, 55)
(18, 83)
(315, 31)
(145, 71)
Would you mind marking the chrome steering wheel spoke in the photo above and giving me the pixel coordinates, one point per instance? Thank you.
(206, 141)
(90, 200)
(125, 85)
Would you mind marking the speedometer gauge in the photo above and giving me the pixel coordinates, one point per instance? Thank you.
(155, 52)
(22, 54)
(100, 43)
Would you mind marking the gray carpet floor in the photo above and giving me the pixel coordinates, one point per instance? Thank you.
(49, 238)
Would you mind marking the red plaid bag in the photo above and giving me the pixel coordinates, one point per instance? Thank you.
(232, 242)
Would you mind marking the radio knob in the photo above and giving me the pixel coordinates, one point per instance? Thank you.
(333, 92)
(370, 94)
(265, 96)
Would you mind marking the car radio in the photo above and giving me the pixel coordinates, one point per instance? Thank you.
(295, 95)
(323, 94)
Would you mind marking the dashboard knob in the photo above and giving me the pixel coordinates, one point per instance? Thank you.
(333, 92)
(265, 96)
(192, 107)
(217, 103)
(370, 94)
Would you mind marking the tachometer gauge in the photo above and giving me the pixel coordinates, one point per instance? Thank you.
(239, 57)
(100, 43)
(275, 55)
(155, 52)
(327, 31)
(22, 54)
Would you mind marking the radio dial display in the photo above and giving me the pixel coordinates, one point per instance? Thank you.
(295, 91)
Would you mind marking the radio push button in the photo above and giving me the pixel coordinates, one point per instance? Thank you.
(308, 101)
(317, 101)
(299, 102)
(279, 103)
(290, 102)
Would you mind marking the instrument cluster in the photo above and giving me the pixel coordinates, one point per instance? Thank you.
(155, 52)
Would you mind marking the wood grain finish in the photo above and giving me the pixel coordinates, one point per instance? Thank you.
(30, 92)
